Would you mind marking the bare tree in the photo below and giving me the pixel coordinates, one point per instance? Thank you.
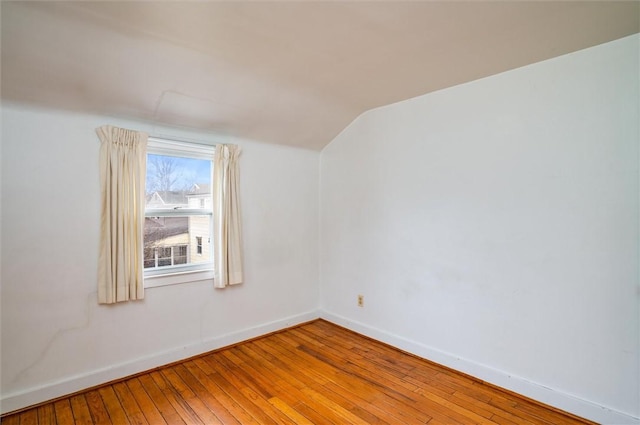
(164, 174)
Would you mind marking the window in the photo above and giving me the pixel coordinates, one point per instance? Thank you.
(177, 208)
(159, 256)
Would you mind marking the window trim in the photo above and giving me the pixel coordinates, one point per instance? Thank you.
(179, 148)
(180, 273)
(177, 278)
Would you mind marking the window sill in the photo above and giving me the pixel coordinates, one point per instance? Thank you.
(177, 278)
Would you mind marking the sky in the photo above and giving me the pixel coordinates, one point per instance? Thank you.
(181, 172)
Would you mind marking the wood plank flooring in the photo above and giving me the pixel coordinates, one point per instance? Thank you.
(317, 373)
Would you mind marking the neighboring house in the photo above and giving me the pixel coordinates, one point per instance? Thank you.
(167, 199)
(166, 241)
(200, 243)
(199, 196)
(172, 241)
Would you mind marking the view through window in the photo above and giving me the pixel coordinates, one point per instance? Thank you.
(178, 209)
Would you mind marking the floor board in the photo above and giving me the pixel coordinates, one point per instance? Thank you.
(317, 373)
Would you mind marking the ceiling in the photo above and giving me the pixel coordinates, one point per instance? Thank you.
(285, 72)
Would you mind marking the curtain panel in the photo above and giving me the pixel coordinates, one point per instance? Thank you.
(122, 181)
(227, 229)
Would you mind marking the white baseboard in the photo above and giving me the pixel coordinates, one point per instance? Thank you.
(29, 397)
(533, 390)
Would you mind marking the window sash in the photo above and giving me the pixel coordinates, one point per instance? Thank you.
(176, 212)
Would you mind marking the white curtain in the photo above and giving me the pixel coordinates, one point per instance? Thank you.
(122, 180)
(227, 232)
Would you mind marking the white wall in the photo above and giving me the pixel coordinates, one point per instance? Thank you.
(56, 338)
(493, 227)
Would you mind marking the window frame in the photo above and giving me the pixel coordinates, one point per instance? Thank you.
(191, 272)
(199, 245)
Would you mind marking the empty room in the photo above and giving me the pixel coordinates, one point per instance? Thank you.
(320, 212)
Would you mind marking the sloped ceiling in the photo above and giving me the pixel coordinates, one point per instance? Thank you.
(293, 73)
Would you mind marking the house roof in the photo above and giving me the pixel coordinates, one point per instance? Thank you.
(200, 189)
(167, 199)
(157, 228)
(293, 73)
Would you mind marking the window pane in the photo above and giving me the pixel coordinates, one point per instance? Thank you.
(180, 254)
(164, 256)
(174, 182)
(149, 257)
(171, 241)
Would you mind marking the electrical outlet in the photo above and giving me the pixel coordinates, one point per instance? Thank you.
(360, 300)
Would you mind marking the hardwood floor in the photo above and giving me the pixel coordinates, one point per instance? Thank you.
(317, 373)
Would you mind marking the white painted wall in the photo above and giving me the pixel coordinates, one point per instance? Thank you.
(56, 338)
(493, 227)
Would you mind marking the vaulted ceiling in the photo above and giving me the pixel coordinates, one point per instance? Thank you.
(293, 73)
